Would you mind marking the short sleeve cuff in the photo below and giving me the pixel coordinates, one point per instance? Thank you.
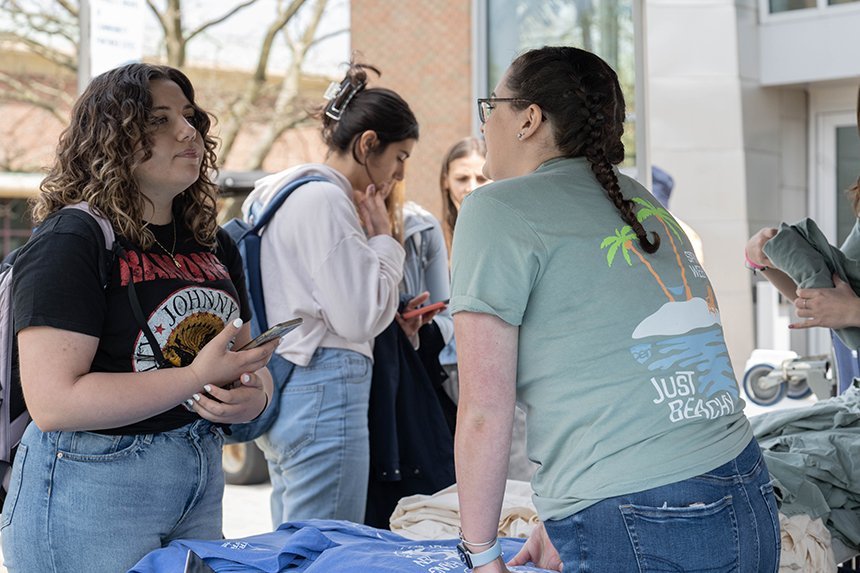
(464, 303)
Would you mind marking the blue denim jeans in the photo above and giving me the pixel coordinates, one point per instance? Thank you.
(318, 449)
(81, 501)
(722, 521)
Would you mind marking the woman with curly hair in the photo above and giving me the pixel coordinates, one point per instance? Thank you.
(566, 298)
(124, 451)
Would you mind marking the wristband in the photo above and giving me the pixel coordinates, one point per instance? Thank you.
(467, 542)
(472, 560)
(752, 265)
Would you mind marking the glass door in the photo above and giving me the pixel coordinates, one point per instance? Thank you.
(836, 168)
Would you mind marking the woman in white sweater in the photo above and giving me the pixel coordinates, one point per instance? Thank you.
(328, 257)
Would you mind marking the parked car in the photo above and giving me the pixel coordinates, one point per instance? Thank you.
(244, 464)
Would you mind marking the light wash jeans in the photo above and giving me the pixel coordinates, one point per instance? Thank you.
(86, 502)
(722, 521)
(318, 449)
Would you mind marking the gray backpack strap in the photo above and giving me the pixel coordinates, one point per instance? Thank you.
(106, 227)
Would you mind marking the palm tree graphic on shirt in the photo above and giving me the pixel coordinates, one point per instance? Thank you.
(624, 240)
(671, 226)
(683, 333)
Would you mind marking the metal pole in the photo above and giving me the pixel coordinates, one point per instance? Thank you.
(84, 46)
(643, 141)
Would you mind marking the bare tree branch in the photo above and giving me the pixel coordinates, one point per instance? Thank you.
(30, 27)
(70, 8)
(218, 20)
(158, 15)
(329, 36)
(286, 113)
(49, 54)
(170, 21)
(243, 106)
(22, 92)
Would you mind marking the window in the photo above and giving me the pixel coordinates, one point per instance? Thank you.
(778, 6)
(788, 5)
(847, 170)
(15, 225)
(605, 27)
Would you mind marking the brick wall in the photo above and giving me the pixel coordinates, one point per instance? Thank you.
(423, 49)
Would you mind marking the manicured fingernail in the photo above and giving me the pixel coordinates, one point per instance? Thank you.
(189, 404)
(238, 323)
(207, 388)
(246, 378)
(196, 397)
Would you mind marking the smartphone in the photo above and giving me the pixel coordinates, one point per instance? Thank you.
(274, 332)
(194, 564)
(425, 309)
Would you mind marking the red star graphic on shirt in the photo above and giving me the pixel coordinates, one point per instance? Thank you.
(159, 329)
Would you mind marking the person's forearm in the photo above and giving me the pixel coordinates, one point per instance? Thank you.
(482, 448)
(488, 365)
(102, 400)
(62, 394)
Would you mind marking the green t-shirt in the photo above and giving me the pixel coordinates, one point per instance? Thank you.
(622, 364)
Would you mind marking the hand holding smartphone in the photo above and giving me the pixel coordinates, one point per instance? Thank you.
(277, 331)
(441, 305)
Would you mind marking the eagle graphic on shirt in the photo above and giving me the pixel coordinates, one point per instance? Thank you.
(183, 323)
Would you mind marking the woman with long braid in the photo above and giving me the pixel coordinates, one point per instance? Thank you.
(595, 315)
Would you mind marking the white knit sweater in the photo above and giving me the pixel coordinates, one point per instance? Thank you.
(317, 264)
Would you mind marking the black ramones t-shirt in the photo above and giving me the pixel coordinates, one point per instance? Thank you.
(57, 284)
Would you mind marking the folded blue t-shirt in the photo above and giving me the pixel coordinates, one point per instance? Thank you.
(320, 546)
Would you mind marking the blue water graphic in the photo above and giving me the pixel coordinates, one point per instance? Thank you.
(703, 351)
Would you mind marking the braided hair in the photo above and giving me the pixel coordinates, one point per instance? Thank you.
(580, 93)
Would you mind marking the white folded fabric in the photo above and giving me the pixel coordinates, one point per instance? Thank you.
(437, 516)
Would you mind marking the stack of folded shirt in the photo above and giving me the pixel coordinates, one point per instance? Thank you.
(437, 516)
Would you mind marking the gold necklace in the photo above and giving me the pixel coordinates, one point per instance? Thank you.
(171, 251)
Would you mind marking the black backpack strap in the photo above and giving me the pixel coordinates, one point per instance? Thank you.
(137, 311)
(107, 260)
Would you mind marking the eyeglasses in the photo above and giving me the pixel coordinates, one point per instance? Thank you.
(486, 105)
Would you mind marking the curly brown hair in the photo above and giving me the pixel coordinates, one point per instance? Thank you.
(580, 93)
(107, 138)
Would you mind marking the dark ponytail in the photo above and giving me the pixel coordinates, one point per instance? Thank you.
(581, 95)
(354, 108)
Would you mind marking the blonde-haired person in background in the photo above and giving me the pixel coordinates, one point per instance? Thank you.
(462, 173)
